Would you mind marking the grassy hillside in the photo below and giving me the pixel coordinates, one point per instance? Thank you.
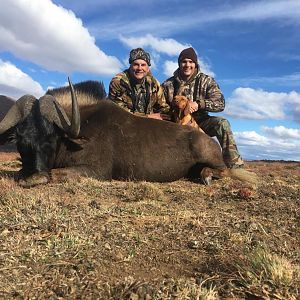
(138, 240)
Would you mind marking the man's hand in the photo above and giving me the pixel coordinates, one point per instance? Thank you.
(193, 106)
(140, 114)
(155, 116)
(166, 117)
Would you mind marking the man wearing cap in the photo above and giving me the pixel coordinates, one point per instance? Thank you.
(205, 96)
(136, 90)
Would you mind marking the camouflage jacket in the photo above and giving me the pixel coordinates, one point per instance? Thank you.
(121, 91)
(200, 88)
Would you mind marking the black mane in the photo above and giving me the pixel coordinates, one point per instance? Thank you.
(90, 87)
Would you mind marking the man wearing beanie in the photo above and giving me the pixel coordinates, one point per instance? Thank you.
(136, 90)
(205, 96)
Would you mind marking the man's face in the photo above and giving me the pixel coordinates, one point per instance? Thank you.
(187, 68)
(139, 69)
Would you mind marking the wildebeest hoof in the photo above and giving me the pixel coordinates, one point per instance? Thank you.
(207, 180)
(35, 179)
(207, 175)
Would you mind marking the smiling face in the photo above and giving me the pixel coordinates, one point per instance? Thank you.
(139, 69)
(187, 68)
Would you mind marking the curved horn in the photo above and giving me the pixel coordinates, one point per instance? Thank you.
(75, 121)
(17, 113)
(54, 112)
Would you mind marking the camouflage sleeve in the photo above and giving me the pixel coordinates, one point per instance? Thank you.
(168, 90)
(160, 103)
(116, 94)
(214, 100)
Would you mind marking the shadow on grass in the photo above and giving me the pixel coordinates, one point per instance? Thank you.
(9, 174)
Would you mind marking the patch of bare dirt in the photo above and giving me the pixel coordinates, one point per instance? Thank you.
(88, 239)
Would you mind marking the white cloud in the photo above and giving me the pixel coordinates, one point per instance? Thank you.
(296, 113)
(167, 46)
(15, 83)
(251, 138)
(262, 10)
(285, 80)
(248, 103)
(170, 67)
(90, 6)
(184, 18)
(52, 37)
(205, 67)
(282, 132)
(279, 143)
(108, 29)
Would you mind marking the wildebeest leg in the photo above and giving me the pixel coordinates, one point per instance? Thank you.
(64, 174)
(208, 153)
(34, 179)
(207, 174)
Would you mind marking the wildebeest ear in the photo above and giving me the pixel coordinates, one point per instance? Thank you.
(53, 112)
(187, 108)
(75, 145)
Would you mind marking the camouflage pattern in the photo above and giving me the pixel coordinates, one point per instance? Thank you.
(139, 53)
(124, 93)
(210, 99)
(208, 95)
(221, 129)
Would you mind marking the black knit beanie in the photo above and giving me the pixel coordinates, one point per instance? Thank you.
(188, 53)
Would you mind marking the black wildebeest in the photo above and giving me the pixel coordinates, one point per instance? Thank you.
(104, 141)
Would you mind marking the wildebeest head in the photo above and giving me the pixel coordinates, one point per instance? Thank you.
(36, 127)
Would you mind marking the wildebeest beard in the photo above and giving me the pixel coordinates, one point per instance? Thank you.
(36, 142)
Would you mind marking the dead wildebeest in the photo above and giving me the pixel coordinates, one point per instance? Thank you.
(106, 142)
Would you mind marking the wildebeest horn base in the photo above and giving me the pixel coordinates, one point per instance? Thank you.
(53, 112)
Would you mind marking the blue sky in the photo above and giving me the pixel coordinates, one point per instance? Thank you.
(252, 48)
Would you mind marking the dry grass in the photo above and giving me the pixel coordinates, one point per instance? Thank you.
(269, 275)
(88, 239)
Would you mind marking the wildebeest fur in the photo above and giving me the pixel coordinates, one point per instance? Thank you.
(89, 87)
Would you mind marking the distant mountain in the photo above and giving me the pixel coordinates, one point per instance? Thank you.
(5, 104)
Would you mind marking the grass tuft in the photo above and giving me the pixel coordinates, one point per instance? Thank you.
(270, 273)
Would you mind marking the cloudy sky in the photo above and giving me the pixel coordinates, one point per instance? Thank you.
(252, 48)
